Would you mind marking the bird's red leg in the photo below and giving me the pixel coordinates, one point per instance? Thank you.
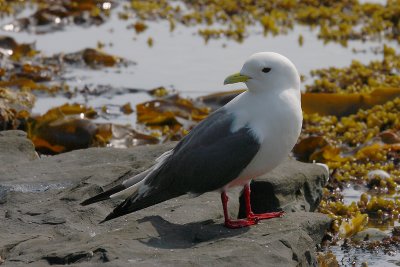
(249, 213)
(234, 223)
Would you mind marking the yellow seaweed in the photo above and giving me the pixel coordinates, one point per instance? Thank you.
(353, 226)
(346, 104)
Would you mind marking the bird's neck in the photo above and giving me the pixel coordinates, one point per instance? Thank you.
(271, 94)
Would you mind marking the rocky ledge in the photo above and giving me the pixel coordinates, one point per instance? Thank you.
(43, 224)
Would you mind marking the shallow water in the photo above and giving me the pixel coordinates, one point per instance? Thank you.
(180, 59)
(377, 257)
(358, 256)
(352, 194)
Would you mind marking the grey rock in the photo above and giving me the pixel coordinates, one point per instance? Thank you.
(370, 234)
(15, 147)
(43, 223)
(3, 194)
(292, 186)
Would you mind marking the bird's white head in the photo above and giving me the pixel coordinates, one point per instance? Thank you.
(267, 71)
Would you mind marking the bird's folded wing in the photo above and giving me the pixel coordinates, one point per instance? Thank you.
(209, 157)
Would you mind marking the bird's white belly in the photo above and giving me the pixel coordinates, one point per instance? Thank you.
(268, 157)
(279, 134)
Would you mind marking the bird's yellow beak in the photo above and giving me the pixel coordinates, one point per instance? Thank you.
(236, 78)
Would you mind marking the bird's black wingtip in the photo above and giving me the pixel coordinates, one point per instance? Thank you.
(93, 200)
(85, 202)
(103, 196)
(109, 217)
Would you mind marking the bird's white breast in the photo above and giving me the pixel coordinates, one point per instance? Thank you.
(275, 121)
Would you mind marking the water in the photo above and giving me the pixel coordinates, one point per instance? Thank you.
(375, 258)
(180, 59)
(352, 194)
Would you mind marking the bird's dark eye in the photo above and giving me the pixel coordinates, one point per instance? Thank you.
(266, 70)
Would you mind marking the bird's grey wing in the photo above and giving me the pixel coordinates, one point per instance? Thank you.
(209, 157)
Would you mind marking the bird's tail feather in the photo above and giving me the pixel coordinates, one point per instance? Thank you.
(119, 190)
(133, 203)
(104, 195)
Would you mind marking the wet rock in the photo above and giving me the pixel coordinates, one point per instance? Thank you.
(48, 226)
(370, 234)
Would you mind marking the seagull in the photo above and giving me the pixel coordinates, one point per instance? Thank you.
(246, 138)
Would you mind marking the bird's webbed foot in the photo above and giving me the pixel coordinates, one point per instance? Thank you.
(234, 224)
(257, 216)
(265, 216)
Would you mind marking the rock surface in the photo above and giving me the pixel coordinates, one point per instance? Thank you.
(292, 186)
(15, 147)
(370, 234)
(43, 224)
